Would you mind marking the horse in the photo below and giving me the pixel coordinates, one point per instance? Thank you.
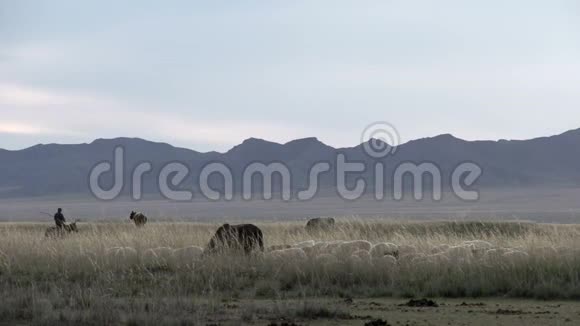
(54, 232)
(320, 224)
(246, 237)
(139, 219)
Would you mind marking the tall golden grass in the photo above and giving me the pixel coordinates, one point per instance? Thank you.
(86, 277)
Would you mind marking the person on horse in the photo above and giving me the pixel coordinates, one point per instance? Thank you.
(59, 219)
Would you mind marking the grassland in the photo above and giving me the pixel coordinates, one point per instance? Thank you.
(107, 274)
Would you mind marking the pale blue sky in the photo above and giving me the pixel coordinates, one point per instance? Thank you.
(206, 75)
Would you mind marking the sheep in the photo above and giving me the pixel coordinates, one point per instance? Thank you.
(516, 255)
(305, 244)
(157, 256)
(363, 255)
(361, 263)
(123, 254)
(463, 253)
(478, 244)
(291, 255)
(436, 259)
(478, 247)
(313, 251)
(331, 247)
(126, 252)
(440, 249)
(326, 259)
(164, 252)
(387, 262)
(383, 249)
(346, 249)
(149, 257)
(440, 258)
(407, 250)
(420, 260)
(493, 255)
(115, 255)
(320, 245)
(278, 247)
(188, 254)
(409, 258)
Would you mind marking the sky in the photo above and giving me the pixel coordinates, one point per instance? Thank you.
(208, 74)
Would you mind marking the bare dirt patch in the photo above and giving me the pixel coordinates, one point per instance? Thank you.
(421, 303)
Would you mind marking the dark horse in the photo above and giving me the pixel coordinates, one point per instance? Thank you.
(139, 219)
(246, 237)
(54, 231)
(320, 224)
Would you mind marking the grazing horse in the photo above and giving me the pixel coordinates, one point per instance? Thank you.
(320, 224)
(54, 232)
(246, 237)
(139, 219)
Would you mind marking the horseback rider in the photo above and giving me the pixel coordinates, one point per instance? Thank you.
(59, 219)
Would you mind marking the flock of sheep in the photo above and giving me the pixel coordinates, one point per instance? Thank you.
(248, 239)
(391, 255)
(360, 252)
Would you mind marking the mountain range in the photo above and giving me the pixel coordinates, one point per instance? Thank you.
(53, 169)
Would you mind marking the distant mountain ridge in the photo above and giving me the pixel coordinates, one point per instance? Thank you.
(55, 169)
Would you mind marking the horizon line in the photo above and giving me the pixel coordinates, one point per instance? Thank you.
(282, 144)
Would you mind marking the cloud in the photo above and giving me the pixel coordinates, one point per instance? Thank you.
(278, 71)
(25, 129)
(37, 111)
(223, 133)
(13, 95)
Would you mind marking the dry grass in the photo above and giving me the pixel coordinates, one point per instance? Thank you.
(79, 279)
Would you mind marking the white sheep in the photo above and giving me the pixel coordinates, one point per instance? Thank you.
(326, 259)
(479, 244)
(383, 249)
(461, 253)
(278, 247)
(407, 250)
(436, 259)
(440, 258)
(363, 255)
(126, 252)
(516, 255)
(320, 245)
(305, 244)
(346, 249)
(493, 255)
(316, 249)
(409, 258)
(331, 247)
(161, 255)
(385, 262)
(291, 255)
(123, 254)
(440, 249)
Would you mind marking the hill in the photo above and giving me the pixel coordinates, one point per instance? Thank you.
(55, 169)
